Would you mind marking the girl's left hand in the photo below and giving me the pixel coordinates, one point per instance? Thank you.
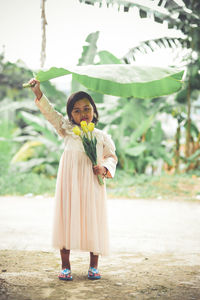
(99, 170)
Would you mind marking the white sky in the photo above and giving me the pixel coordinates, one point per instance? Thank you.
(69, 23)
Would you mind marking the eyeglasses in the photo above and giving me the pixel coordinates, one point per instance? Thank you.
(78, 111)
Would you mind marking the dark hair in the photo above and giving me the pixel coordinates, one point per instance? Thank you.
(76, 97)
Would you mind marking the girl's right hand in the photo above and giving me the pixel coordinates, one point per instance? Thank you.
(35, 86)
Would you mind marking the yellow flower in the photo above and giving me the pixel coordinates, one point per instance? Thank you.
(77, 130)
(91, 126)
(85, 129)
(83, 124)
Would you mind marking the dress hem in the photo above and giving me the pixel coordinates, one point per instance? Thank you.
(82, 250)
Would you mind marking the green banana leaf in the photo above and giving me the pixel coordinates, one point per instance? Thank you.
(87, 57)
(141, 129)
(108, 58)
(136, 151)
(121, 79)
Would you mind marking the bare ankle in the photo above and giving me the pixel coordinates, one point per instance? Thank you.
(66, 267)
(93, 265)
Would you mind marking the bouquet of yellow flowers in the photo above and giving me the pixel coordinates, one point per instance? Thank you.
(89, 143)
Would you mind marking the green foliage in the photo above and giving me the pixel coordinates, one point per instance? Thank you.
(7, 147)
(106, 57)
(89, 51)
(163, 186)
(122, 80)
(138, 136)
(16, 183)
(46, 157)
(112, 77)
(20, 127)
(13, 182)
(88, 57)
(12, 76)
(54, 95)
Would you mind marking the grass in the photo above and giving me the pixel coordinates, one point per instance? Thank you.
(30, 183)
(182, 186)
(177, 186)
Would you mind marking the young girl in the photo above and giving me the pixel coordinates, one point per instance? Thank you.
(80, 220)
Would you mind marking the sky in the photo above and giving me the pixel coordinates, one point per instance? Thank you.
(69, 23)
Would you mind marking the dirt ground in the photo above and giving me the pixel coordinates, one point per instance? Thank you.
(155, 249)
(33, 275)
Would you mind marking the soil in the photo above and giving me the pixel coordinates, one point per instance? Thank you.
(33, 275)
(155, 253)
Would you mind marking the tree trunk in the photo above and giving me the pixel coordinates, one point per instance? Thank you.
(44, 23)
(188, 128)
(177, 149)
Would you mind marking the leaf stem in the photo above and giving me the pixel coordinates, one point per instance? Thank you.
(26, 85)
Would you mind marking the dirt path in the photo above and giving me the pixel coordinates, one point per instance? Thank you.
(33, 275)
(155, 253)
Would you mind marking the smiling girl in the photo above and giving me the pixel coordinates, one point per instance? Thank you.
(80, 218)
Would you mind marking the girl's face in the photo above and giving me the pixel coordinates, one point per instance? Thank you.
(82, 111)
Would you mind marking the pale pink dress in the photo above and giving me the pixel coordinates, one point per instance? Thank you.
(80, 217)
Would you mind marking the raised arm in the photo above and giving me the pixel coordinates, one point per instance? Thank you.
(47, 109)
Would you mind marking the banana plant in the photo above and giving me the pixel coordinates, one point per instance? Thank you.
(137, 134)
(184, 40)
(87, 57)
(41, 148)
(133, 149)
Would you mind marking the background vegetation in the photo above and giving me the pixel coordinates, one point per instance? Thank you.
(157, 136)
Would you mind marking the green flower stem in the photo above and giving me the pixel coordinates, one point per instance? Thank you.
(87, 135)
(100, 179)
(90, 150)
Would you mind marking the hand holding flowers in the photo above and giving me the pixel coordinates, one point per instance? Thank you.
(101, 170)
(89, 143)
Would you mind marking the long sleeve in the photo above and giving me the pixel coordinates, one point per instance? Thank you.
(55, 118)
(109, 156)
